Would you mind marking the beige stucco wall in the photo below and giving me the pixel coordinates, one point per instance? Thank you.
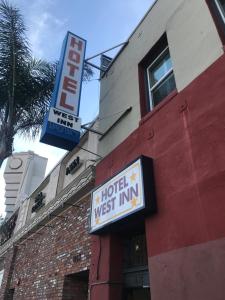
(23, 173)
(50, 188)
(193, 40)
(194, 45)
(57, 180)
(82, 155)
(89, 142)
(21, 219)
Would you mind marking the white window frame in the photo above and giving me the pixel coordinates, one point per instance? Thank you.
(150, 89)
(1, 276)
(222, 13)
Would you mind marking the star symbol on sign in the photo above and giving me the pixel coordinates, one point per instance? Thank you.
(134, 202)
(97, 200)
(133, 177)
(97, 221)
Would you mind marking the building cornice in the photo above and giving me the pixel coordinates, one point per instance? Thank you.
(72, 193)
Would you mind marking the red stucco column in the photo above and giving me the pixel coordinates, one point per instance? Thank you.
(105, 280)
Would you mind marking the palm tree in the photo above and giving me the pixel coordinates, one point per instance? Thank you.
(26, 84)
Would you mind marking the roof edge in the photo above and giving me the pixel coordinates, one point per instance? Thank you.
(132, 33)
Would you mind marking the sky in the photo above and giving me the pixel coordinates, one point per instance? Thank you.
(103, 24)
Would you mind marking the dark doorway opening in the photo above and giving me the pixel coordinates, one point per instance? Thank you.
(76, 286)
(135, 268)
(137, 294)
(10, 294)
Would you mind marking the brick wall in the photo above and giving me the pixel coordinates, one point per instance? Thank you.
(8, 266)
(41, 264)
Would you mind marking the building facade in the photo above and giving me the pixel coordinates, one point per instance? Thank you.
(47, 253)
(165, 93)
(24, 171)
(162, 105)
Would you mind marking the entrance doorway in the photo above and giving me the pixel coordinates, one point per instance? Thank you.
(10, 294)
(137, 294)
(76, 286)
(135, 268)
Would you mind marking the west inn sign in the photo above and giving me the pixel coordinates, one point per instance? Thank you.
(129, 192)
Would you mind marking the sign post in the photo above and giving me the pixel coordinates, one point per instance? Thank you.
(62, 124)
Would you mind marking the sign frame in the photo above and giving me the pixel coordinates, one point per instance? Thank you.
(60, 70)
(149, 199)
(70, 67)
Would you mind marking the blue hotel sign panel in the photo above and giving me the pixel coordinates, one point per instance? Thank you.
(62, 125)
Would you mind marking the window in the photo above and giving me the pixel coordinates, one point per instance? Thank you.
(156, 76)
(160, 77)
(1, 276)
(221, 8)
(38, 202)
(135, 251)
(73, 166)
(217, 9)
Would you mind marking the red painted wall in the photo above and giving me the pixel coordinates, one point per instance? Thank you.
(185, 136)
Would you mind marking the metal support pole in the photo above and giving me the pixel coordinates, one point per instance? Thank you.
(92, 130)
(89, 151)
(128, 110)
(94, 66)
(121, 44)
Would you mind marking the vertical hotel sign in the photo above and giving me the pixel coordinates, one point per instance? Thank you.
(123, 195)
(61, 127)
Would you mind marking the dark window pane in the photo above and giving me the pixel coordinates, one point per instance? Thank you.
(222, 5)
(160, 68)
(135, 252)
(164, 89)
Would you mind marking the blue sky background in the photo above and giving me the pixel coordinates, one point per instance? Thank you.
(103, 24)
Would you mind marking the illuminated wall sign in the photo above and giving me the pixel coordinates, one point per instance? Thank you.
(123, 195)
(61, 127)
